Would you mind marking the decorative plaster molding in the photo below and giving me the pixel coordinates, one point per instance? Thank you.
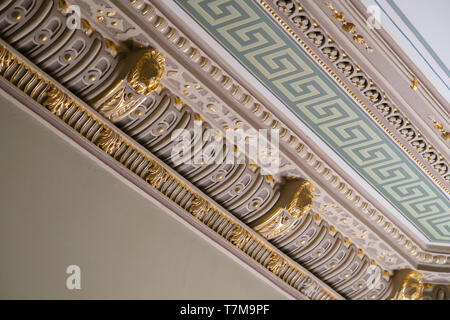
(344, 273)
(127, 153)
(233, 88)
(386, 256)
(157, 21)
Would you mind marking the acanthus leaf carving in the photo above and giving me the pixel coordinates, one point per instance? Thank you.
(276, 264)
(199, 207)
(240, 236)
(56, 101)
(156, 175)
(109, 141)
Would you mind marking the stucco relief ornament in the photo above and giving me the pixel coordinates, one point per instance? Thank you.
(109, 141)
(240, 237)
(156, 175)
(148, 72)
(303, 200)
(288, 209)
(56, 101)
(199, 207)
(412, 287)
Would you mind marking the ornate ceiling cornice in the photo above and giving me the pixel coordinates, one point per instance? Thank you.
(188, 86)
(171, 34)
(286, 12)
(418, 90)
(226, 119)
(99, 133)
(339, 213)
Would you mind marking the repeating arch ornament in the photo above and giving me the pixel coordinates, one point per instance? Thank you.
(160, 178)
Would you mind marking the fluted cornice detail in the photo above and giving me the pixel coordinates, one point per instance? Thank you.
(265, 118)
(142, 164)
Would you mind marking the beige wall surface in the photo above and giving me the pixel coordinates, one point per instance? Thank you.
(59, 207)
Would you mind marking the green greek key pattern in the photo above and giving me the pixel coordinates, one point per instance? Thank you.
(257, 42)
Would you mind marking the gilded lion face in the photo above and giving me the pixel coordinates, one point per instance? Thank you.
(303, 199)
(147, 74)
(412, 287)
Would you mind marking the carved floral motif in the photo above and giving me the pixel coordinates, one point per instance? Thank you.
(5, 57)
(56, 101)
(109, 141)
(276, 264)
(240, 236)
(199, 207)
(156, 175)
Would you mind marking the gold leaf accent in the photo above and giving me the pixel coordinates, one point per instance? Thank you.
(156, 175)
(276, 264)
(240, 237)
(109, 141)
(412, 287)
(57, 101)
(147, 75)
(282, 223)
(151, 176)
(446, 136)
(440, 127)
(5, 57)
(415, 84)
(303, 199)
(117, 107)
(86, 27)
(199, 207)
(348, 27)
(309, 288)
(63, 4)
